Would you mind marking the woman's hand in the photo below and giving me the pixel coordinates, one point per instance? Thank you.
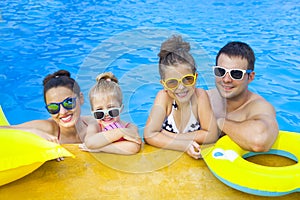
(46, 136)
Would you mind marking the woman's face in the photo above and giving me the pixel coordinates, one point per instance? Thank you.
(65, 117)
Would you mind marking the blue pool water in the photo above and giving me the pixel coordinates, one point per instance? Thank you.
(88, 37)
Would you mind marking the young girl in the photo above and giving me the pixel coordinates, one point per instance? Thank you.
(181, 117)
(109, 134)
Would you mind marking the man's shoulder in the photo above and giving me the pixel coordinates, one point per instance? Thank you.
(258, 99)
(258, 103)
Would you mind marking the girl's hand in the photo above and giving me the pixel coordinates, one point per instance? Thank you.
(132, 139)
(194, 150)
(131, 135)
(82, 147)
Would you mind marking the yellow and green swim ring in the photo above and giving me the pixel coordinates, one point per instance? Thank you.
(227, 162)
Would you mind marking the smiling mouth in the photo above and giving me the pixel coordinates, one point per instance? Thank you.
(107, 119)
(66, 118)
(227, 88)
(181, 94)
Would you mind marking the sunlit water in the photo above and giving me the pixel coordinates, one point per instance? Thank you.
(89, 37)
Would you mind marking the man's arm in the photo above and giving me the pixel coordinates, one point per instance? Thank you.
(257, 132)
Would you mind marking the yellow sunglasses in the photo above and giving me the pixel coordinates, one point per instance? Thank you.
(186, 80)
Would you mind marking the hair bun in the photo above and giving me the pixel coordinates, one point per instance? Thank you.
(173, 45)
(107, 76)
(57, 74)
(62, 73)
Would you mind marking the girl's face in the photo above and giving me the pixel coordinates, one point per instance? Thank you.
(65, 115)
(105, 102)
(180, 82)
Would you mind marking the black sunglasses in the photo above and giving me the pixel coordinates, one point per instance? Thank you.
(54, 108)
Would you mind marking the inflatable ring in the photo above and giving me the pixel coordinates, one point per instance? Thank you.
(226, 160)
(22, 152)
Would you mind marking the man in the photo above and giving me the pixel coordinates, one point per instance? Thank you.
(247, 118)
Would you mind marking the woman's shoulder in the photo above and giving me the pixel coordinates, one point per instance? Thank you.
(89, 119)
(46, 125)
(38, 123)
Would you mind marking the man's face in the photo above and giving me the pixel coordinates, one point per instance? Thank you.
(228, 87)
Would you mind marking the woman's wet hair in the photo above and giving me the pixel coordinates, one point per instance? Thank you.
(61, 78)
(107, 84)
(174, 52)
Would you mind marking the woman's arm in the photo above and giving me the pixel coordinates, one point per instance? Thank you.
(46, 129)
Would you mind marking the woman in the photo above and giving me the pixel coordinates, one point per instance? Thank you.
(63, 99)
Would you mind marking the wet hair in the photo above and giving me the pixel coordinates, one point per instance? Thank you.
(107, 84)
(238, 49)
(175, 52)
(60, 78)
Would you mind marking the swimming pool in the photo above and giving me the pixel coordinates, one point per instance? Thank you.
(89, 37)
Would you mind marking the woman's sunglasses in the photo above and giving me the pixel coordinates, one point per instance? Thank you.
(186, 80)
(235, 74)
(69, 103)
(112, 112)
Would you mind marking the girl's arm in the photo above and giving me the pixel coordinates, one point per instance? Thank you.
(207, 118)
(154, 135)
(123, 148)
(129, 147)
(105, 141)
(131, 133)
(209, 128)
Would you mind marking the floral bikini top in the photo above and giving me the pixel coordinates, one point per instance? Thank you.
(170, 125)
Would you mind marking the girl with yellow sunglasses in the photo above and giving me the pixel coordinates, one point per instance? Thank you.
(181, 118)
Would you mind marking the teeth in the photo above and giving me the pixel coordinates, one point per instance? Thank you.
(107, 119)
(227, 87)
(66, 118)
(181, 94)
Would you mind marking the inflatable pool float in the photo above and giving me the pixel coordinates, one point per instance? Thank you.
(227, 161)
(22, 152)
